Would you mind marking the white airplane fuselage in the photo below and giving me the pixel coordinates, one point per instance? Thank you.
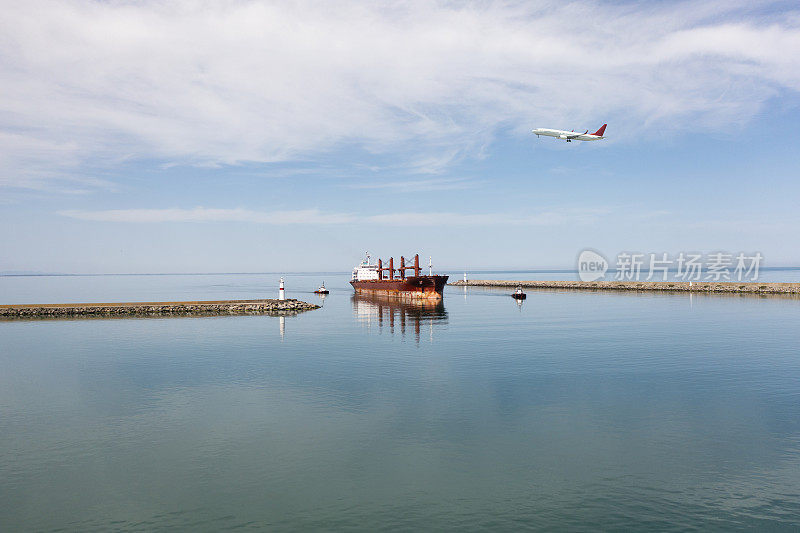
(571, 135)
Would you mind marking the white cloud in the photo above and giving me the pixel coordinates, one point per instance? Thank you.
(316, 217)
(420, 185)
(226, 81)
(202, 214)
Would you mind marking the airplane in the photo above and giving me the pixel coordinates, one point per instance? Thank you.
(570, 135)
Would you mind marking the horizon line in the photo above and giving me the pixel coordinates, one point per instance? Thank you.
(473, 271)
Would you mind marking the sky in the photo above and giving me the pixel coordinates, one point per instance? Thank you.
(241, 136)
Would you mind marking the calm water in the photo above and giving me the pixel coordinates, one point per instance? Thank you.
(573, 411)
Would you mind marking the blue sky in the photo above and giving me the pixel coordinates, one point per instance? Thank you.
(251, 137)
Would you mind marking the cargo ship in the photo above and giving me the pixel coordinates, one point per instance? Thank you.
(383, 280)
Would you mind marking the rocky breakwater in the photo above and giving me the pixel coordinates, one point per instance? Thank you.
(671, 286)
(145, 309)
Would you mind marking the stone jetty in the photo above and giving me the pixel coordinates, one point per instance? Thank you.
(667, 286)
(157, 309)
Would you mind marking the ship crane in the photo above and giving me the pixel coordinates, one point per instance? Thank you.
(382, 269)
(414, 267)
(401, 271)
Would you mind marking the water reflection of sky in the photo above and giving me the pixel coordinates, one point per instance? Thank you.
(576, 410)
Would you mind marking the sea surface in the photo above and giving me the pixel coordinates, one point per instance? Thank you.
(570, 411)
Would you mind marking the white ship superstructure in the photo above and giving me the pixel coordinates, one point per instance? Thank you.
(365, 271)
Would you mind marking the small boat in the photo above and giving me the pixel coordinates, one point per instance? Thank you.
(518, 294)
(322, 289)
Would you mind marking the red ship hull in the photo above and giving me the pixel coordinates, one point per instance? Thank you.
(413, 287)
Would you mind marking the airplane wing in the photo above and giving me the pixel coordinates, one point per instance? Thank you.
(577, 135)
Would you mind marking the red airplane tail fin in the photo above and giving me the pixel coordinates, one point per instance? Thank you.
(601, 131)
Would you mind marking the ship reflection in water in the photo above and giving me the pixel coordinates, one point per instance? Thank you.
(399, 314)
